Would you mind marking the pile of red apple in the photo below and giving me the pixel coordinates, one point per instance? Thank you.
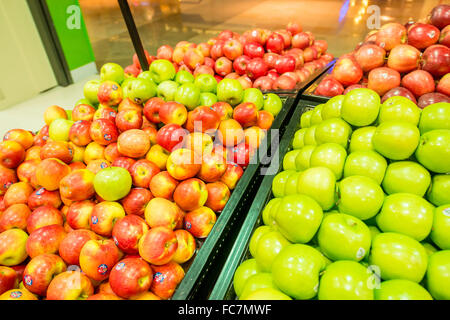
(361, 210)
(108, 200)
(259, 58)
(411, 60)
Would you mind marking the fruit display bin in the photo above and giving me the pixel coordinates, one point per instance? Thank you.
(223, 288)
(204, 268)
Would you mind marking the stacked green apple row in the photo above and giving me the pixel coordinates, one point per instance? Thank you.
(361, 209)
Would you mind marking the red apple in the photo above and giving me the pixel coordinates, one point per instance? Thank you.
(104, 216)
(171, 136)
(246, 114)
(164, 52)
(12, 154)
(172, 112)
(419, 82)
(124, 162)
(440, 16)
(217, 49)
(193, 58)
(223, 109)
(347, 71)
(432, 98)
(186, 246)
(71, 245)
(202, 119)
(422, 35)
(17, 193)
(403, 58)
(142, 172)
(399, 91)
(241, 154)
(7, 178)
(444, 85)
(80, 133)
(133, 143)
(136, 201)
(444, 39)
(265, 120)
(200, 222)
(223, 66)
(161, 212)
(79, 214)
(270, 59)
(213, 167)
(104, 112)
(128, 104)
(8, 279)
(329, 87)
(245, 82)
(151, 109)
(284, 82)
(256, 68)
(287, 36)
(98, 257)
(301, 40)
(109, 93)
(240, 64)
(128, 231)
(285, 63)
(204, 69)
(158, 245)
(294, 27)
(111, 152)
(370, 56)
(50, 172)
(218, 195)
(131, 71)
(391, 35)
(253, 50)
(104, 131)
(26, 172)
(61, 150)
(436, 60)
(225, 35)
(383, 79)
(78, 185)
(232, 49)
(310, 54)
(275, 43)
(15, 216)
(163, 185)
(263, 83)
(166, 279)
(70, 285)
(45, 240)
(130, 276)
(129, 119)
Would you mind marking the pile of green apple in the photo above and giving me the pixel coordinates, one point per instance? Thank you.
(361, 209)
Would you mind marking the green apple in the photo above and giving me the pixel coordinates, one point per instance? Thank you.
(396, 140)
(69, 114)
(345, 280)
(296, 269)
(207, 99)
(408, 214)
(398, 256)
(360, 196)
(255, 96)
(298, 210)
(188, 94)
(309, 139)
(167, 90)
(268, 247)
(440, 232)
(344, 237)
(257, 281)
(257, 234)
(83, 101)
(291, 184)
(429, 248)
(147, 75)
(298, 142)
(230, 91)
(266, 214)
(325, 259)
(279, 182)
(316, 116)
(206, 83)
(438, 275)
(90, 91)
(267, 294)
(360, 107)
(289, 159)
(162, 70)
(433, 151)
(439, 191)
(302, 162)
(435, 116)
(406, 176)
(333, 130)
(365, 163)
(140, 90)
(361, 139)
(59, 129)
(330, 155)
(399, 289)
(112, 183)
(113, 72)
(184, 76)
(272, 103)
(272, 212)
(320, 184)
(245, 270)
(374, 231)
(332, 109)
(399, 108)
(305, 119)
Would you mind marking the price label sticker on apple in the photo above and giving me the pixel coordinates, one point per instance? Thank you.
(361, 253)
(446, 212)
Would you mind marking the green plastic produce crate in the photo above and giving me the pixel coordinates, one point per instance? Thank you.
(202, 271)
(223, 288)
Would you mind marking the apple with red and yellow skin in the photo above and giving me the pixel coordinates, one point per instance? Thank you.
(213, 167)
(105, 289)
(123, 162)
(8, 279)
(57, 149)
(104, 296)
(104, 112)
(164, 52)
(193, 57)
(42, 197)
(186, 246)
(136, 201)
(77, 151)
(128, 104)
(230, 132)
(232, 49)
(40, 271)
(190, 194)
(70, 247)
(70, 285)
(133, 143)
(83, 112)
(128, 119)
(78, 185)
(199, 142)
(13, 247)
(79, 214)
(166, 279)
(15, 216)
(223, 109)
(26, 172)
(151, 132)
(104, 216)
(246, 114)
(7, 178)
(202, 119)
(151, 109)
(158, 155)
(77, 165)
(41, 137)
(145, 296)
(199, 222)
(254, 136)
(130, 276)
(18, 192)
(161, 212)
(23, 137)
(18, 294)
(33, 153)
(173, 112)
(128, 231)
(163, 185)
(50, 172)
(80, 133)
(110, 93)
(183, 164)
(45, 240)
(44, 216)
(12, 154)
(96, 166)
(232, 175)
(54, 112)
(97, 258)
(218, 195)
(104, 131)
(142, 172)
(94, 151)
(158, 245)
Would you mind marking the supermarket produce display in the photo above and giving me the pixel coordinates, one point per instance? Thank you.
(352, 213)
(411, 60)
